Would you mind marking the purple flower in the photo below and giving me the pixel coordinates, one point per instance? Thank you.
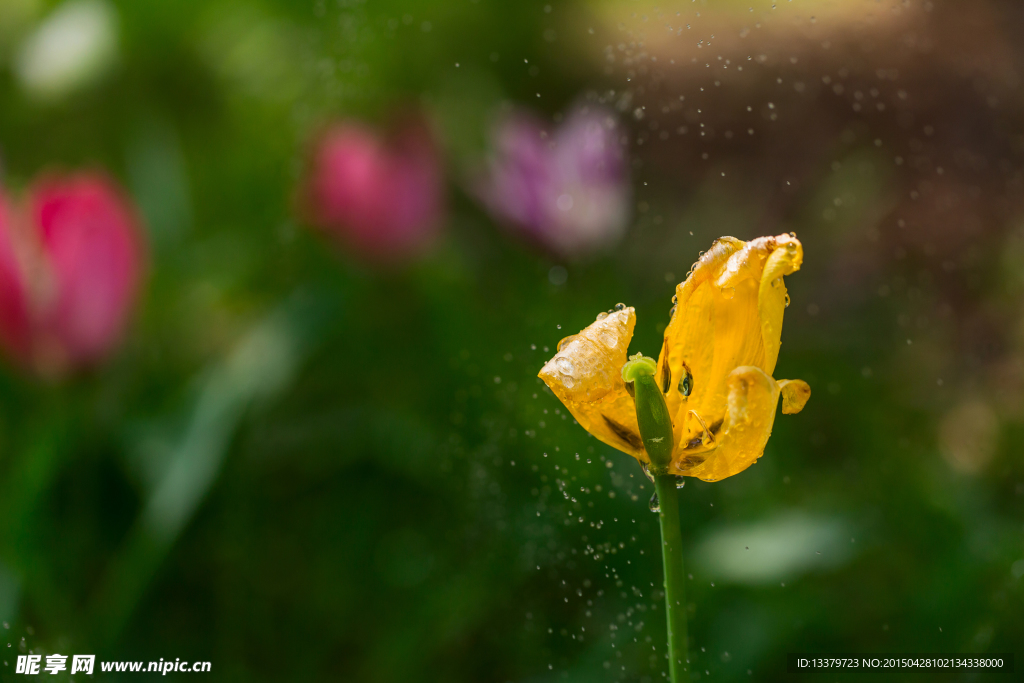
(568, 190)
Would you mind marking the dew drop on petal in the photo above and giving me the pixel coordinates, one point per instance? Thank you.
(608, 338)
(655, 504)
(567, 372)
(686, 384)
(728, 292)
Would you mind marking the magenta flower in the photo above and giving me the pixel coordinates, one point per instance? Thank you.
(70, 267)
(568, 190)
(380, 198)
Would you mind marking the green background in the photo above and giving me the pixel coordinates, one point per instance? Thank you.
(300, 466)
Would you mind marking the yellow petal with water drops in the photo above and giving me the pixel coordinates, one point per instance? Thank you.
(728, 315)
(752, 399)
(795, 394)
(586, 376)
(688, 350)
(786, 258)
(719, 351)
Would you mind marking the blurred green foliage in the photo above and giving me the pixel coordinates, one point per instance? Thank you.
(300, 467)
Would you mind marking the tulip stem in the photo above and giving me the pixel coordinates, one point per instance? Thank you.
(672, 556)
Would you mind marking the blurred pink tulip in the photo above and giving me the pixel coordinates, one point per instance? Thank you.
(14, 325)
(568, 190)
(380, 198)
(70, 266)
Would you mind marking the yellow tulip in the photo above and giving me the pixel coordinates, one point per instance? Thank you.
(715, 368)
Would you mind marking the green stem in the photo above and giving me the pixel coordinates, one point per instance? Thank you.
(672, 556)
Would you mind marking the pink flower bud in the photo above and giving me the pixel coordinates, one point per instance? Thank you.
(567, 190)
(379, 198)
(70, 266)
(15, 330)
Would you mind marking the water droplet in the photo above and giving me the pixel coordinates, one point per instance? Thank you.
(671, 313)
(675, 299)
(776, 282)
(620, 307)
(602, 315)
(644, 466)
(608, 338)
(728, 292)
(655, 504)
(565, 342)
(787, 301)
(680, 482)
(686, 383)
(566, 371)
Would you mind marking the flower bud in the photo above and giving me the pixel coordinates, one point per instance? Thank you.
(15, 332)
(70, 266)
(380, 198)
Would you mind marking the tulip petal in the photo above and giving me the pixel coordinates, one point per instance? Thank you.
(382, 198)
(94, 247)
(752, 399)
(795, 394)
(586, 377)
(15, 325)
(689, 348)
(565, 189)
(728, 315)
(719, 351)
(786, 258)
